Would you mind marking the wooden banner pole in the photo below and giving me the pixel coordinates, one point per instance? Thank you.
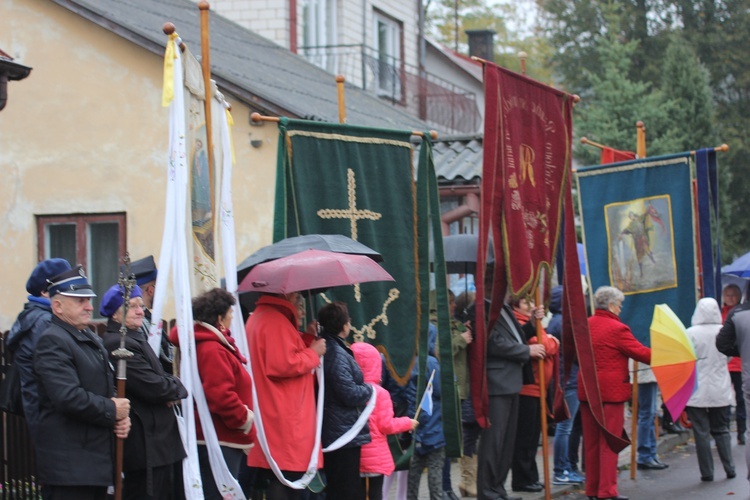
(206, 66)
(541, 336)
(257, 117)
(340, 91)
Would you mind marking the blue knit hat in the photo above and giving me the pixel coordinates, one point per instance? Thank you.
(114, 298)
(43, 271)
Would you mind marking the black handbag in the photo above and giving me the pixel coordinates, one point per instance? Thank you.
(10, 390)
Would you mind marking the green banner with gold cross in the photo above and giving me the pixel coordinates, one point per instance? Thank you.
(363, 183)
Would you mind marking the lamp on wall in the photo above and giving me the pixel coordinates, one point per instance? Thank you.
(9, 71)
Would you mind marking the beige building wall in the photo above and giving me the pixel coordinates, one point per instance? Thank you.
(86, 133)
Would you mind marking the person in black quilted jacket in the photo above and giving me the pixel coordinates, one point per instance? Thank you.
(346, 395)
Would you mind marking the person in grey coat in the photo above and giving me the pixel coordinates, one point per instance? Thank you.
(734, 340)
(79, 415)
(508, 368)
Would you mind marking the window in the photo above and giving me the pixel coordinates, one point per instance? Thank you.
(319, 32)
(388, 46)
(97, 242)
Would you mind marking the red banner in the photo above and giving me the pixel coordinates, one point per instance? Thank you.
(527, 154)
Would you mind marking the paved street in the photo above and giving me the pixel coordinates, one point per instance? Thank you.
(681, 481)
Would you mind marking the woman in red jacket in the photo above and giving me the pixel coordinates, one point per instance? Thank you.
(226, 385)
(613, 343)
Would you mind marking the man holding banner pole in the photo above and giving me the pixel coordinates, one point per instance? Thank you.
(508, 368)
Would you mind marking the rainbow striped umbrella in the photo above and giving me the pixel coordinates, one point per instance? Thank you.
(672, 359)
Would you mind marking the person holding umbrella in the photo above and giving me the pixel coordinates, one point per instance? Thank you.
(152, 447)
(282, 371)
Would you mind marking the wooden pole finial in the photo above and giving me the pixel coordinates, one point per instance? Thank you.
(341, 97)
(203, 5)
(255, 117)
(640, 124)
(168, 28)
(433, 134)
(522, 56)
(576, 98)
(723, 148)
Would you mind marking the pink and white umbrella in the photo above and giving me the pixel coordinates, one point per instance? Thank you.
(312, 270)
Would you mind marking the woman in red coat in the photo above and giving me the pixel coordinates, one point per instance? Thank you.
(226, 385)
(283, 373)
(613, 343)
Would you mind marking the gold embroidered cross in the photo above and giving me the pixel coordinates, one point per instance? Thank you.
(351, 213)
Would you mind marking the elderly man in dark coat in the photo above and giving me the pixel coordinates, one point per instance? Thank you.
(79, 417)
(154, 445)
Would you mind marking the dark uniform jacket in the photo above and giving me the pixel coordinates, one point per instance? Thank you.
(75, 437)
(508, 367)
(154, 438)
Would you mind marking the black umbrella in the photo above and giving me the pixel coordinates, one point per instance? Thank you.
(460, 251)
(290, 246)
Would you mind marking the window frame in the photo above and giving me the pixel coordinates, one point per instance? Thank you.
(395, 51)
(81, 222)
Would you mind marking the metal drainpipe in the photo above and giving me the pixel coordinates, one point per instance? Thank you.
(3, 90)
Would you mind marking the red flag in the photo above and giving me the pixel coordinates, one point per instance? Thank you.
(610, 155)
(527, 143)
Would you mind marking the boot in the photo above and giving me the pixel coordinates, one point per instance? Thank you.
(468, 484)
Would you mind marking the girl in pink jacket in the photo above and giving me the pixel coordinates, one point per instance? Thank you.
(376, 460)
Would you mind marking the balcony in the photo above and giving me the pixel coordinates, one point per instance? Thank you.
(442, 104)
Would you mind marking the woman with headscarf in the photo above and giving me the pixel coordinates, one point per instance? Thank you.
(153, 445)
(226, 385)
(709, 406)
(613, 344)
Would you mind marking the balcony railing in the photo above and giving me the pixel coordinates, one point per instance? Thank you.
(425, 95)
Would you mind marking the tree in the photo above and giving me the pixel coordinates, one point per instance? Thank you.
(687, 82)
(615, 103)
(448, 21)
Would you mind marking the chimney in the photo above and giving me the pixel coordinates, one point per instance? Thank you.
(481, 44)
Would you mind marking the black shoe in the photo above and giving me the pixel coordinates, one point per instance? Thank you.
(618, 497)
(531, 488)
(707, 479)
(740, 439)
(661, 463)
(679, 428)
(652, 465)
(449, 495)
(731, 475)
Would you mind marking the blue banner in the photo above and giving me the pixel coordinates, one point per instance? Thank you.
(637, 220)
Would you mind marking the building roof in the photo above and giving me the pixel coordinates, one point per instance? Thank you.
(252, 68)
(470, 66)
(458, 160)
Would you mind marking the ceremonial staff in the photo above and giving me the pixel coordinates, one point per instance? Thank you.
(127, 282)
